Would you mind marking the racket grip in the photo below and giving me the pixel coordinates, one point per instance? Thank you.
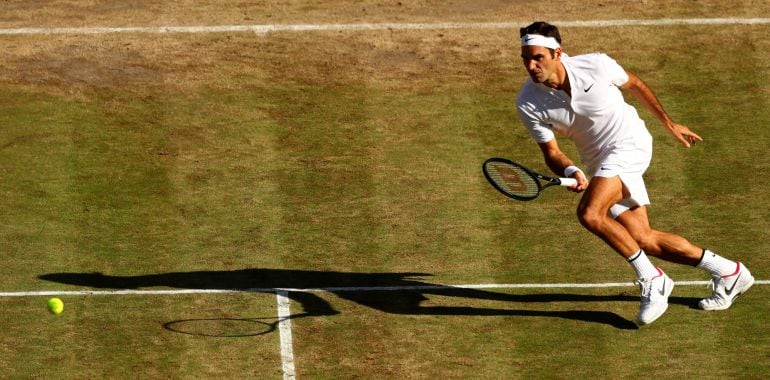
(567, 182)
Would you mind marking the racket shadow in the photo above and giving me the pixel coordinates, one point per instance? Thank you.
(223, 327)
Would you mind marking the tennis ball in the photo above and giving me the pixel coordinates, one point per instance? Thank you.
(55, 306)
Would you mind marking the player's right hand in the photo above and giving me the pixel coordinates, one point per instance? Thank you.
(582, 182)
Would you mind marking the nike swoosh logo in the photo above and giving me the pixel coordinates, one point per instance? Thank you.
(730, 291)
(589, 87)
(662, 289)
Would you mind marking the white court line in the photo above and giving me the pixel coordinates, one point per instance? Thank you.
(284, 329)
(268, 28)
(340, 289)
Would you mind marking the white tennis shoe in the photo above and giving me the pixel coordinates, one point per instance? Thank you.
(727, 288)
(655, 292)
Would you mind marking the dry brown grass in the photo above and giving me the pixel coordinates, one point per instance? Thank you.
(71, 63)
(22, 13)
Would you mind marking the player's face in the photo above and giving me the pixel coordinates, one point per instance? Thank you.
(540, 64)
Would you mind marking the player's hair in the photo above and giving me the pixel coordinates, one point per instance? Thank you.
(542, 28)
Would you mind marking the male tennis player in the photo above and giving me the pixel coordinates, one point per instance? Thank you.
(579, 97)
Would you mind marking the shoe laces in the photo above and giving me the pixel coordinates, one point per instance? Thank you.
(714, 286)
(714, 283)
(645, 285)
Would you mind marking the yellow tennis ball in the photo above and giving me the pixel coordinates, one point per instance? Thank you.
(55, 306)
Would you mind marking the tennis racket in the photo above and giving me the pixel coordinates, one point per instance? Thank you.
(517, 181)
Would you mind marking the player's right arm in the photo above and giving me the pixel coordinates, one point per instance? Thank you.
(557, 161)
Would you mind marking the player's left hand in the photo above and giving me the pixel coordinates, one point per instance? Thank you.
(685, 136)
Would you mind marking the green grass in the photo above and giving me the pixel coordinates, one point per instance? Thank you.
(124, 337)
(353, 159)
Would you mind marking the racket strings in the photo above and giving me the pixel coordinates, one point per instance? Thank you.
(513, 180)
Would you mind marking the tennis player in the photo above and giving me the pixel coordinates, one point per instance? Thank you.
(580, 98)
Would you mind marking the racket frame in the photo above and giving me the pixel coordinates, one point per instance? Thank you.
(536, 177)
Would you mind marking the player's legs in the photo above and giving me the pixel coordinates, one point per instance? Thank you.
(730, 279)
(667, 246)
(593, 213)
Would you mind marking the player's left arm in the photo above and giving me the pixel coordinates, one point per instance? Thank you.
(644, 95)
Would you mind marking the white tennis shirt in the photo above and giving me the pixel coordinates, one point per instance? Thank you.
(595, 116)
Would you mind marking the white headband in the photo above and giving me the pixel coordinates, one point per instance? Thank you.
(538, 40)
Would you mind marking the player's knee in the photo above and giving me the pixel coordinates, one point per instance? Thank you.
(591, 218)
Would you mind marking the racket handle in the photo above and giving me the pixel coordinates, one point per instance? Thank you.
(567, 182)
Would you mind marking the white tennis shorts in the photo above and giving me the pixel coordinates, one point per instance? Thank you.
(629, 163)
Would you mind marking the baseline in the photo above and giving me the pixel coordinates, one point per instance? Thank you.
(270, 28)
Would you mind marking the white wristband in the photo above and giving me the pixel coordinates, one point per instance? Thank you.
(570, 170)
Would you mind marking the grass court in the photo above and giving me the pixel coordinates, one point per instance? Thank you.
(166, 185)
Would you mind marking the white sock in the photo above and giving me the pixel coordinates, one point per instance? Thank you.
(716, 265)
(642, 265)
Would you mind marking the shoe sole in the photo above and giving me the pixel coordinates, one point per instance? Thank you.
(643, 323)
(738, 294)
(663, 311)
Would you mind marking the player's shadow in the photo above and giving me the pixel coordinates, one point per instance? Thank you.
(374, 290)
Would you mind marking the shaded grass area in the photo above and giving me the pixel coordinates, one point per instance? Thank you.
(536, 334)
